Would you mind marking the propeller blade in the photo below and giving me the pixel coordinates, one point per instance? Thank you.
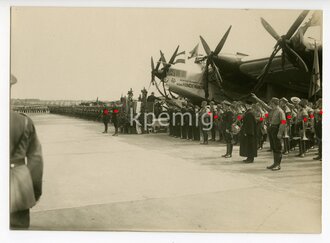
(206, 80)
(299, 60)
(218, 76)
(152, 78)
(222, 42)
(205, 45)
(267, 66)
(174, 55)
(296, 24)
(270, 29)
(162, 57)
(266, 69)
(152, 64)
(151, 82)
(152, 71)
(158, 63)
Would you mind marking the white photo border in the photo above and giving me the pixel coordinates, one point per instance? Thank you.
(56, 236)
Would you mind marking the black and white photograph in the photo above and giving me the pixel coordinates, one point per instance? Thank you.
(150, 119)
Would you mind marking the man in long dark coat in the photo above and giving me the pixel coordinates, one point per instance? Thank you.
(248, 139)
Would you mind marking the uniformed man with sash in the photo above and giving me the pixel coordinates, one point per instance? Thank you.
(277, 122)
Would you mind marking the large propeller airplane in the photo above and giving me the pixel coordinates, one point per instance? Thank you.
(218, 76)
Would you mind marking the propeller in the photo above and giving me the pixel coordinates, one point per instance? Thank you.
(161, 74)
(154, 70)
(167, 65)
(156, 73)
(210, 55)
(283, 43)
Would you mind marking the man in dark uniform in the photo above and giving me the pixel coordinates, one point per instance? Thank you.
(310, 131)
(190, 122)
(238, 114)
(114, 119)
(196, 130)
(277, 123)
(218, 119)
(213, 113)
(227, 122)
(288, 116)
(152, 97)
(261, 129)
(204, 121)
(177, 122)
(24, 144)
(318, 128)
(248, 139)
(105, 118)
(185, 123)
(171, 125)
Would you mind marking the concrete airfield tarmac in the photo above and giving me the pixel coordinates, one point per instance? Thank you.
(153, 182)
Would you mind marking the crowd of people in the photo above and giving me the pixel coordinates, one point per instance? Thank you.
(288, 125)
(294, 125)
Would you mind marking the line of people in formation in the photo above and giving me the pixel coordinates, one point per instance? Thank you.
(289, 125)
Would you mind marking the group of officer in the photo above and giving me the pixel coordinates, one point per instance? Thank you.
(110, 114)
(289, 125)
(119, 113)
(294, 125)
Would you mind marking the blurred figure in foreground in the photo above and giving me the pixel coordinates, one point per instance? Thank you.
(26, 168)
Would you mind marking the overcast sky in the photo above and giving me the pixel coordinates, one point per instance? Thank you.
(84, 53)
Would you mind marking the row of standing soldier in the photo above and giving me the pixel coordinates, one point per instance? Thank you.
(287, 124)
